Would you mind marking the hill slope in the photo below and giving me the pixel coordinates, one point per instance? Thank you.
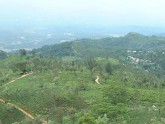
(104, 47)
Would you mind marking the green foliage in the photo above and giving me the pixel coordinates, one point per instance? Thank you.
(61, 88)
(64, 49)
(109, 68)
(112, 111)
(116, 94)
(22, 52)
(103, 120)
(9, 114)
(105, 47)
(86, 119)
(91, 63)
(3, 55)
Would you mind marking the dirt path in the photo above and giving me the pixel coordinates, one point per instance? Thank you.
(23, 111)
(20, 109)
(17, 79)
(17, 107)
(97, 80)
(1, 100)
(11, 104)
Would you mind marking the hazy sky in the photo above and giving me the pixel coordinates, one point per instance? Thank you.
(112, 12)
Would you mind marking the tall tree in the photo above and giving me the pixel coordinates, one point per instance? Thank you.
(3, 54)
(22, 52)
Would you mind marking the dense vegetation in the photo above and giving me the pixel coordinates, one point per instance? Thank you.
(105, 47)
(63, 88)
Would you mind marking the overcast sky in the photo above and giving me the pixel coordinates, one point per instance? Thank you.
(111, 12)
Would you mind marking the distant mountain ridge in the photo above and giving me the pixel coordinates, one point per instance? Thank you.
(104, 46)
(30, 36)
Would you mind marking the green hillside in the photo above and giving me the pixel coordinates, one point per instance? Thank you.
(104, 81)
(114, 47)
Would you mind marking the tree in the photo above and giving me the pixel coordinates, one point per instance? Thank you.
(103, 120)
(91, 63)
(116, 94)
(108, 68)
(3, 54)
(59, 115)
(22, 52)
(22, 66)
(86, 119)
